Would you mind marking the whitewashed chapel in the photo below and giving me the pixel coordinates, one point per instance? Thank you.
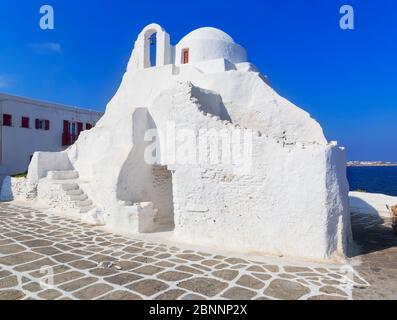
(272, 184)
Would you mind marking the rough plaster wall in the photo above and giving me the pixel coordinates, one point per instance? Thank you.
(100, 153)
(267, 209)
(42, 162)
(211, 102)
(252, 103)
(338, 200)
(19, 188)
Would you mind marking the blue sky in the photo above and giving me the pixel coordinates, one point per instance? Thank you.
(347, 80)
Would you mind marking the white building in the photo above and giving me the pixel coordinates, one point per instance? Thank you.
(29, 125)
(288, 195)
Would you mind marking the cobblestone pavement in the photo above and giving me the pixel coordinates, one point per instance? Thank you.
(45, 256)
(378, 256)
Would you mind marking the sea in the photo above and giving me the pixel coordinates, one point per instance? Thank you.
(373, 179)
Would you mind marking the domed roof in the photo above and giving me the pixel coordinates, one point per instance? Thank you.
(207, 33)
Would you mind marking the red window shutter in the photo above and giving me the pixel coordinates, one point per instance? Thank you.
(88, 126)
(7, 120)
(25, 122)
(47, 125)
(185, 58)
(79, 127)
(37, 124)
(65, 139)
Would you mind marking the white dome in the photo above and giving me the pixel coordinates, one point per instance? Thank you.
(207, 33)
(206, 44)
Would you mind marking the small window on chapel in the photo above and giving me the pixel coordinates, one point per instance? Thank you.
(185, 56)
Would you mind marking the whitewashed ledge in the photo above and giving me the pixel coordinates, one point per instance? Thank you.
(371, 203)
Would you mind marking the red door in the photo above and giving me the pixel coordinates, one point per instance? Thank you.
(79, 128)
(66, 134)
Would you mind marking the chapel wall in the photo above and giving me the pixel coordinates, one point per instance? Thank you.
(279, 207)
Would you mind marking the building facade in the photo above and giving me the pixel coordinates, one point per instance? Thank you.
(29, 125)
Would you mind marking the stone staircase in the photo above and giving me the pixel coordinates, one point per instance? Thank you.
(78, 197)
(62, 190)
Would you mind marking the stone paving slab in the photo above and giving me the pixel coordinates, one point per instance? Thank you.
(45, 256)
(378, 257)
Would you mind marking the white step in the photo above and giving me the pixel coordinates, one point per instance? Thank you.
(164, 221)
(86, 209)
(79, 197)
(75, 192)
(84, 203)
(70, 186)
(63, 175)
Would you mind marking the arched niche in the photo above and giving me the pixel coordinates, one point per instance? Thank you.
(143, 178)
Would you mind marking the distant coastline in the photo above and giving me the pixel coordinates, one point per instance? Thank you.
(370, 164)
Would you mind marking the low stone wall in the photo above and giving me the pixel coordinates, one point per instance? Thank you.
(43, 162)
(371, 203)
(17, 189)
(134, 218)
